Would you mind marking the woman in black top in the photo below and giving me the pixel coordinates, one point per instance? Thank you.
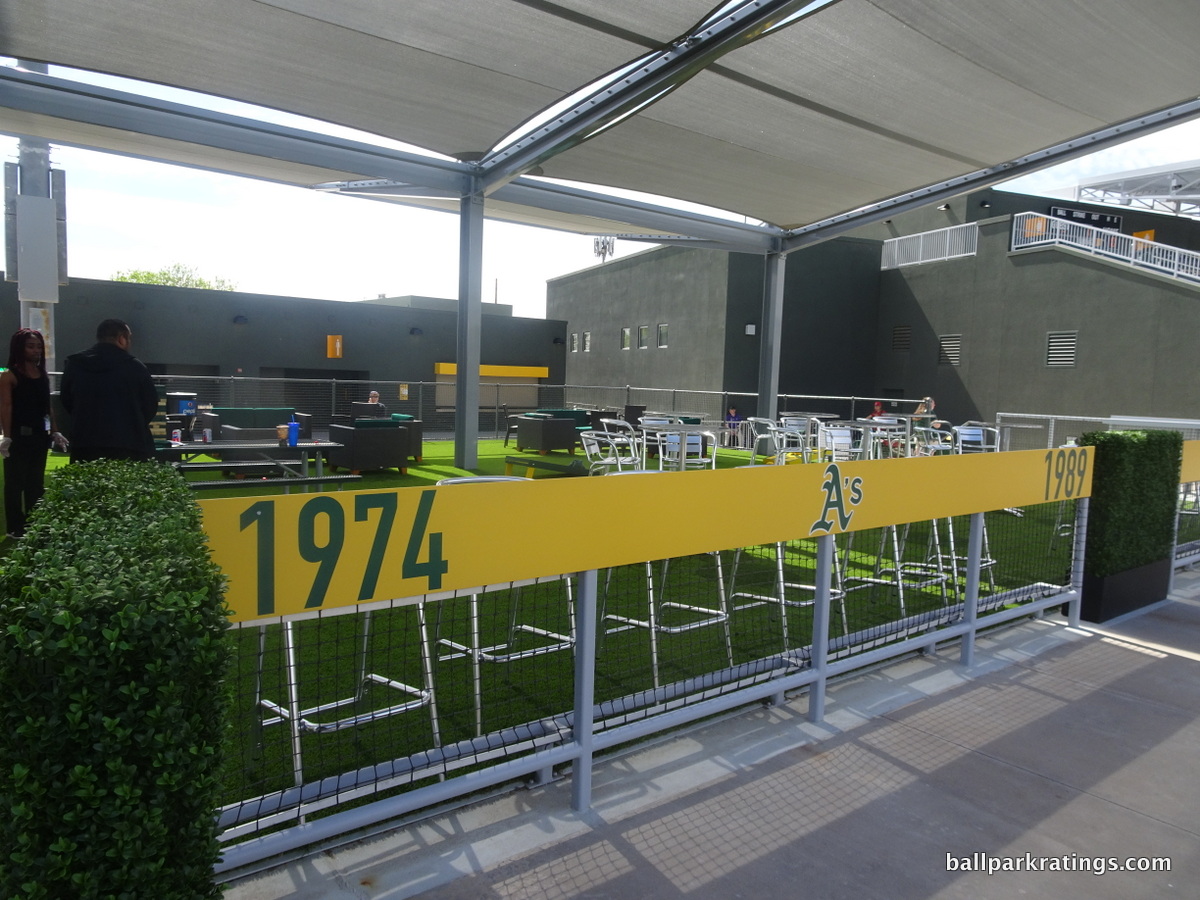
(26, 419)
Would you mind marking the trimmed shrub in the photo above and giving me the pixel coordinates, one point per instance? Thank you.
(1135, 488)
(111, 666)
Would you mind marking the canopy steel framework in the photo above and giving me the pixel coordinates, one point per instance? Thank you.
(1171, 189)
(800, 119)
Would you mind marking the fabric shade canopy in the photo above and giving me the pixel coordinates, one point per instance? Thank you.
(785, 114)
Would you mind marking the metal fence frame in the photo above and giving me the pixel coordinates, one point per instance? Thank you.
(953, 242)
(1034, 230)
(576, 736)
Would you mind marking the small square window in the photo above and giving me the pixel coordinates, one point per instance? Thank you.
(662, 335)
(625, 338)
(587, 342)
(643, 337)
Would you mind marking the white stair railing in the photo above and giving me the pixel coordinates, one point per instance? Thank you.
(931, 246)
(1032, 230)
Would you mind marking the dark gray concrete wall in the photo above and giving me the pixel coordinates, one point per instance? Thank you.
(1136, 334)
(184, 331)
(831, 295)
(685, 289)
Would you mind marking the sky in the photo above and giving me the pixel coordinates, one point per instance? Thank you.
(125, 213)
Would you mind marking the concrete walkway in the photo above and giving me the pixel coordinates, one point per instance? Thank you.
(1059, 746)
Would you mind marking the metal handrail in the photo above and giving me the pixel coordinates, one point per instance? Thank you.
(1033, 230)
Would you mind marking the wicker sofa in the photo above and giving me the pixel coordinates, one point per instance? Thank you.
(545, 433)
(369, 445)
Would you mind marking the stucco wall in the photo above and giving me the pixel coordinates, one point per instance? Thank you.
(684, 289)
(184, 331)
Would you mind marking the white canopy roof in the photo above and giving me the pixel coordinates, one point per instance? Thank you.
(801, 114)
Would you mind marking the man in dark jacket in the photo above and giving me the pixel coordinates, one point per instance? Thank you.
(111, 398)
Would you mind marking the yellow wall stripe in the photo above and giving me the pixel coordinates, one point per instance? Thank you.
(445, 368)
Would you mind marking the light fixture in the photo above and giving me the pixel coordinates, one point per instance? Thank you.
(944, 207)
(240, 320)
(751, 329)
(985, 204)
(559, 340)
(415, 331)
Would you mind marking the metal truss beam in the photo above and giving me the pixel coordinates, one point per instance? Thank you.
(1023, 165)
(623, 92)
(396, 174)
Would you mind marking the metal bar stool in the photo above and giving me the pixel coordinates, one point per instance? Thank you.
(472, 648)
(781, 585)
(695, 615)
(304, 721)
(895, 570)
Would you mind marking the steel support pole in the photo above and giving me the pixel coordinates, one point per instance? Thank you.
(470, 315)
(971, 593)
(586, 627)
(820, 628)
(38, 272)
(1075, 606)
(769, 336)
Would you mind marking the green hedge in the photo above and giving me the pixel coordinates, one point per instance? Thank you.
(1135, 488)
(111, 669)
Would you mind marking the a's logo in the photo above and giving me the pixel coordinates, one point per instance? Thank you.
(841, 496)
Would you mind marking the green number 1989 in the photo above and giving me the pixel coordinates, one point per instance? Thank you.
(1065, 469)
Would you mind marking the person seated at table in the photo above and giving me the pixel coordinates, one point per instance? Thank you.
(733, 422)
(923, 414)
(876, 410)
(373, 398)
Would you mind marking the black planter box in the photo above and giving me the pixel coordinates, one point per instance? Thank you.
(1110, 596)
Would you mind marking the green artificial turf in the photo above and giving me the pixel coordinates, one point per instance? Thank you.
(1027, 548)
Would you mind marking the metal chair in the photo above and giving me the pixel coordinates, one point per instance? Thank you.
(791, 441)
(971, 438)
(839, 441)
(762, 442)
(472, 648)
(928, 441)
(883, 438)
(699, 449)
(626, 430)
(510, 425)
(605, 451)
(651, 446)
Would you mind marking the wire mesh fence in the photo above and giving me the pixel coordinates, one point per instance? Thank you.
(327, 400)
(334, 710)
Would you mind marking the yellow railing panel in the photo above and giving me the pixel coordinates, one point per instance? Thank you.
(292, 553)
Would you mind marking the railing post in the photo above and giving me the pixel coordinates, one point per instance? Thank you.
(585, 689)
(971, 592)
(1080, 550)
(820, 629)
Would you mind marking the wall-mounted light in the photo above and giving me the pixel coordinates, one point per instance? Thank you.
(559, 340)
(985, 204)
(415, 331)
(944, 207)
(240, 320)
(751, 329)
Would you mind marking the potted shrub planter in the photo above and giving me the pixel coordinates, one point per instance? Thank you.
(1131, 521)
